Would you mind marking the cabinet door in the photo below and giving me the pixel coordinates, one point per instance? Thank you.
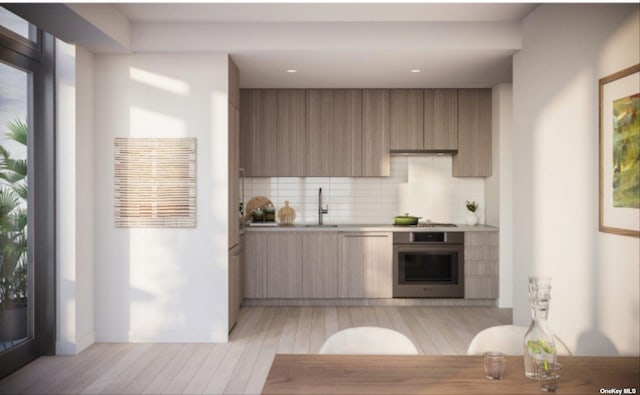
(255, 265)
(441, 119)
(406, 119)
(258, 132)
(347, 133)
(284, 265)
(375, 132)
(365, 265)
(320, 265)
(319, 145)
(234, 285)
(234, 174)
(481, 265)
(291, 132)
(474, 134)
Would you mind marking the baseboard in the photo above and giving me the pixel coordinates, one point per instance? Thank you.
(370, 302)
(73, 347)
(164, 337)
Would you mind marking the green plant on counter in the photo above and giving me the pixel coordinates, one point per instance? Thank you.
(13, 221)
(472, 206)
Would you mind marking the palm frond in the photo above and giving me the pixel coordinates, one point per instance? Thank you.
(18, 131)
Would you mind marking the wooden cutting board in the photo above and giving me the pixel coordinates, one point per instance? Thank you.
(286, 215)
(255, 203)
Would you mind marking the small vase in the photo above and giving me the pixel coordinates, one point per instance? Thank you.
(472, 218)
(539, 349)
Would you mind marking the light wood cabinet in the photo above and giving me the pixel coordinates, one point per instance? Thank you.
(474, 134)
(255, 265)
(406, 119)
(481, 265)
(234, 156)
(236, 282)
(320, 265)
(291, 132)
(234, 176)
(273, 265)
(284, 265)
(365, 265)
(258, 132)
(375, 133)
(319, 144)
(347, 132)
(441, 119)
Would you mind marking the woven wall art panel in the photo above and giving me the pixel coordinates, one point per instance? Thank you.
(155, 182)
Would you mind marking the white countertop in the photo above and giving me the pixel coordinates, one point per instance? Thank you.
(368, 228)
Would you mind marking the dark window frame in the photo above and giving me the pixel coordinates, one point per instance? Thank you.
(37, 58)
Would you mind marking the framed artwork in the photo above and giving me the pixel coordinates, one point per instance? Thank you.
(619, 155)
(155, 182)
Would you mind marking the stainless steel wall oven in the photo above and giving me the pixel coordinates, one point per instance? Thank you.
(428, 264)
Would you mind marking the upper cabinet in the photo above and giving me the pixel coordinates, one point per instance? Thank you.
(319, 145)
(291, 132)
(474, 134)
(314, 132)
(375, 132)
(351, 132)
(258, 132)
(406, 119)
(441, 119)
(347, 132)
(424, 120)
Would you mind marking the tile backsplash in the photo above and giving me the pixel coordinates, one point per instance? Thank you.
(420, 185)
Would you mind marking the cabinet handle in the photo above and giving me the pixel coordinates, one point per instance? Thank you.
(360, 236)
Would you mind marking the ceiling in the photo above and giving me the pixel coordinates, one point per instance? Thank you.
(353, 11)
(330, 45)
(378, 44)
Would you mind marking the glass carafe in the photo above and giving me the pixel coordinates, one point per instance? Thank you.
(539, 347)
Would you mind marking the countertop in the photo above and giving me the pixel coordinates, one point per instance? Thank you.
(368, 228)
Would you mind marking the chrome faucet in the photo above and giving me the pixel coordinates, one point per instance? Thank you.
(320, 209)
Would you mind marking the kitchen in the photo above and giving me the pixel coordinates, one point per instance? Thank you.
(352, 261)
(540, 198)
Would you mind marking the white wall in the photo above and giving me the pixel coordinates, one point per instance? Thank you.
(420, 185)
(74, 197)
(162, 285)
(566, 49)
(499, 187)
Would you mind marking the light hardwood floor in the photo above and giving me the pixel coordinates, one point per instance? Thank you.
(241, 365)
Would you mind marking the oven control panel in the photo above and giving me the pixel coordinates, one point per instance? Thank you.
(428, 238)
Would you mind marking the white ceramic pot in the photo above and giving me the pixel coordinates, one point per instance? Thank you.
(472, 218)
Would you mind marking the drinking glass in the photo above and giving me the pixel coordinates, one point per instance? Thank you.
(549, 376)
(493, 365)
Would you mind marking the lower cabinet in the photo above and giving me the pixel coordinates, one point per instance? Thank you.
(291, 265)
(284, 265)
(365, 265)
(236, 282)
(321, 265)
(481, 267)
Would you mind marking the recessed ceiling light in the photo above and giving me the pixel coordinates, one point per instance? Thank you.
(415, 70)
(292, 71)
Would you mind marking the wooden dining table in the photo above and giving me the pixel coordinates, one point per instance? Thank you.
(302, 374)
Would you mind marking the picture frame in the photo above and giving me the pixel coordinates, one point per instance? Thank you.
(619, 141)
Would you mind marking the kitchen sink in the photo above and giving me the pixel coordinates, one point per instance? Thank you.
(321, 226)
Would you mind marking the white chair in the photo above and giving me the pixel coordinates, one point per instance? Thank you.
(507, 339)
(368, 340)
